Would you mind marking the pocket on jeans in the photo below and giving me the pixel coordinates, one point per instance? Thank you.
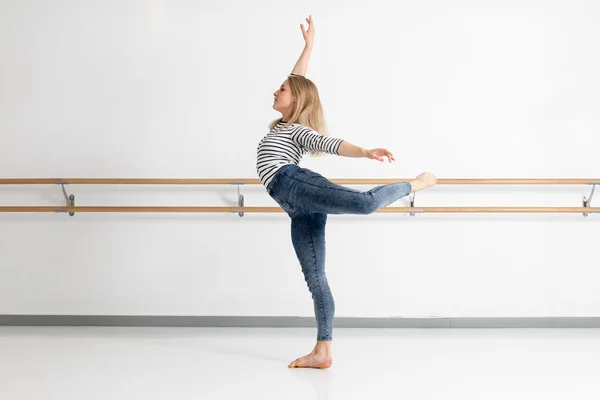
(289, 210)
(282, 202)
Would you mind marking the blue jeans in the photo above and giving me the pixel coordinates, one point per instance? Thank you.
(307, 197)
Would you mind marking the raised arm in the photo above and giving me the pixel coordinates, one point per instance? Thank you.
(309, 37)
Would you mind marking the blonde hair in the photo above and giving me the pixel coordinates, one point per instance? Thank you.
(308, 110)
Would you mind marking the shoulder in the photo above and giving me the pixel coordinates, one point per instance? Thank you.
(295, 127)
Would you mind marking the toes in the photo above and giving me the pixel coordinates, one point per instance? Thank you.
(297, 363)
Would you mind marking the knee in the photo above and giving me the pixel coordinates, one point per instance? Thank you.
(366, 205)
(370, 207)
(316, 283)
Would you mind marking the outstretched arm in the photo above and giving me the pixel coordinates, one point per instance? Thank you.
(347, 149)
(312, 141)
(309, 36)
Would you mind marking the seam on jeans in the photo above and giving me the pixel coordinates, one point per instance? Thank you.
(316, 272)
(325, 187)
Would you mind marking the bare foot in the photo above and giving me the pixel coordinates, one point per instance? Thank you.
(423, 181)
(312, 360)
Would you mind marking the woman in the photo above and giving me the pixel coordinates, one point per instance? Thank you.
(307, 197)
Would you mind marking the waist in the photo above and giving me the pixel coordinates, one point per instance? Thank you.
(278, 175)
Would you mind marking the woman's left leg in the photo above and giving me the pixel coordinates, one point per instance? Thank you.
(308, 237)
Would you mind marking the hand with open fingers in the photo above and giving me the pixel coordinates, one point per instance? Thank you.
(378, 154)
(309, 34)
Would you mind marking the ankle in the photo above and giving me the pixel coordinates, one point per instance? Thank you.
(323, 347)
(416, 185)
(322, 353)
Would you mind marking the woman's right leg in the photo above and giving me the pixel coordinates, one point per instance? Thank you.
(309, 191)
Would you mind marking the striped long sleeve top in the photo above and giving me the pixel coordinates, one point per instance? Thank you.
(286, 145)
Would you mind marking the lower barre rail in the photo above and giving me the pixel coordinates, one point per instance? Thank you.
(171, 209)
(256, 181)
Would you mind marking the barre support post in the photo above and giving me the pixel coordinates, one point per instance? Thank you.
(240, 197)
(587, 201)
(69, 199)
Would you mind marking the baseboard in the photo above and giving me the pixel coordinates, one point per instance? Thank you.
(296, 322)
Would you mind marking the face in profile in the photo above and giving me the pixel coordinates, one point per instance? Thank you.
(284, 101)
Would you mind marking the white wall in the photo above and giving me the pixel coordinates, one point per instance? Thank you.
(184, 89)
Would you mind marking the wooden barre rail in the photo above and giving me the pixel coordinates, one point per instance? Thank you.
(240, 209)
(278, 209)
(244, 181)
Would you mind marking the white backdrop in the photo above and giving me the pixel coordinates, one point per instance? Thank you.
(184, 89)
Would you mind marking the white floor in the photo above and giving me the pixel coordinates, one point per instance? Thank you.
(86, 363)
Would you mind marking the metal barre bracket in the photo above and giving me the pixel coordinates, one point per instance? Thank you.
(70, 200)
(412, 204)
(587, 201)
(240, 197)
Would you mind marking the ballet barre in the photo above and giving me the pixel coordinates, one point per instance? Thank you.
(70, 207)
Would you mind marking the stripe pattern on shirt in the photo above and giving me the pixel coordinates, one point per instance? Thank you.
(286, 145)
